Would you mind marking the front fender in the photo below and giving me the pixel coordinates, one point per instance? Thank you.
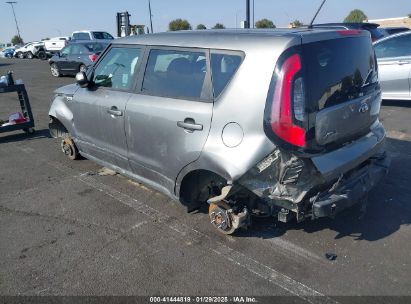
(62, 113)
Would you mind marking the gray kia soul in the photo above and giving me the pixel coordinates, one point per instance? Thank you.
(277, 123)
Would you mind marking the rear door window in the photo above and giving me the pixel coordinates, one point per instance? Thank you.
(175, 73)
(223, 67)
(118, 68)
(394, 47)
(81, 36)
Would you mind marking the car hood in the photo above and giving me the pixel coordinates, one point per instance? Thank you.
(67, 90)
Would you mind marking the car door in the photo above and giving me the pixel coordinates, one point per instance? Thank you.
(99, 110)
(394, 62)
(73, 58)
(168, 120)
(62, 62)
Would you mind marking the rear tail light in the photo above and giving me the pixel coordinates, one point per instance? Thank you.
(93, 57)
(288, 103)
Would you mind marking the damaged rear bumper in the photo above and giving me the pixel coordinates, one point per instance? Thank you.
(351, 192)
(321, 185)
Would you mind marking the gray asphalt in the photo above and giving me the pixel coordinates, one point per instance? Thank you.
(65, 230)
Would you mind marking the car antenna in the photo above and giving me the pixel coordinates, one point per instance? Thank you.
(316, 14)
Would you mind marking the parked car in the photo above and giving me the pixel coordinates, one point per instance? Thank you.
(394, 62)
(373, 28)
(395, 30)
(90, 35)
(240, 120)
(30, 50)
(55, 45)
(76, 57)
(8, 52)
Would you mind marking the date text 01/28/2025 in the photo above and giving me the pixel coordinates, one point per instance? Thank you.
(202, 300)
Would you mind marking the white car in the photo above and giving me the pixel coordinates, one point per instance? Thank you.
(55, 44)
(29, 50)
(90, 35)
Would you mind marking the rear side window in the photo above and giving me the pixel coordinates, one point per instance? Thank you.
(223, 68)
(102, 35)
(175, 74)
(394, 47)
(81, 36)
(95, 47)
(118, 68)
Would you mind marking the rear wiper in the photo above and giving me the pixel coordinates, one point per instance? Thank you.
(368, 79)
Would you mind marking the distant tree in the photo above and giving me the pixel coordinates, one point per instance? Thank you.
(296, 23)
(17, 40)
(179, 25)
(356, 16)
(409, 15)
(218, 26)
(201, 27)
(264, 23)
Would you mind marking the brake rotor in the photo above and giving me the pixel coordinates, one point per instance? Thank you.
(68, 147)
(221, 217)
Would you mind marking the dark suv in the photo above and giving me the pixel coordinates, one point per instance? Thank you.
(373, 28)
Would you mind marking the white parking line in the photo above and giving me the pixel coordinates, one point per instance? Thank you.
(290, 285)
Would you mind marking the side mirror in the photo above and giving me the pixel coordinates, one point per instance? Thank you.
(81, 79)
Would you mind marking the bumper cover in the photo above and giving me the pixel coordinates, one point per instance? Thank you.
(351, 191)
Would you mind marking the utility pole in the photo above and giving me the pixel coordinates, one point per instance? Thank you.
(151, 16)
(253, 14)
(14, 14)
(247, 9)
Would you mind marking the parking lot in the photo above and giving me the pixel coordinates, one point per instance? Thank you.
(65, 229)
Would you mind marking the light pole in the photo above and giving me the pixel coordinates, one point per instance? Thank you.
(15, 19)
(151, 20)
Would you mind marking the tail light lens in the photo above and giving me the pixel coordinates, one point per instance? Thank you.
(288, 104)
(93, 57)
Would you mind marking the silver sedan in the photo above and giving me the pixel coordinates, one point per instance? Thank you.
(394, 61)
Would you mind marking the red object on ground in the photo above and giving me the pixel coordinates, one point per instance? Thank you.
(17, 118)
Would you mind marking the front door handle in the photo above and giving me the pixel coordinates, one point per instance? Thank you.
(190, 125)
(114, 111)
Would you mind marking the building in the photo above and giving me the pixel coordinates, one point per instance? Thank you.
(393, 22)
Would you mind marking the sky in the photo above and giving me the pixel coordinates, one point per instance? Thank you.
(52, 18)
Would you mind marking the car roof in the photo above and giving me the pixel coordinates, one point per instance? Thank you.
(349, 24)
(393, 36)
(227, 38)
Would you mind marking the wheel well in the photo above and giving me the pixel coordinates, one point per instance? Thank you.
(57, 129)
(197, 186)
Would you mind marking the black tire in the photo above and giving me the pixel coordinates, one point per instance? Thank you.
(42, 55)
(29, 55)
(54, 69)
(20, 55)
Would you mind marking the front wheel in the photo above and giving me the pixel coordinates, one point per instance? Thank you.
(55, 70)
(20, 55)
(69, 148)
(42, 55)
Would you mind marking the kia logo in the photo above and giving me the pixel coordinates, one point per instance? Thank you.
(364, 108)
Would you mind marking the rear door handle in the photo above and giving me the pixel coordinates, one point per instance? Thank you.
(114, 111)
(190, 125)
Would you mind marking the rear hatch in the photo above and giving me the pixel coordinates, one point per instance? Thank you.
(324, 93)
(343, 95)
